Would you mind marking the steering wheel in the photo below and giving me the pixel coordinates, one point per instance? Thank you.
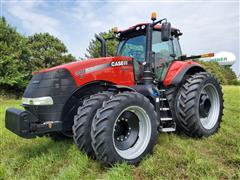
(137, 54)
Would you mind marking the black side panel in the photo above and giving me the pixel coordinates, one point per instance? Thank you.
(58, 84)
(152, 93)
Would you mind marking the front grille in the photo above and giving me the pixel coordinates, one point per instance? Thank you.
(58, 84)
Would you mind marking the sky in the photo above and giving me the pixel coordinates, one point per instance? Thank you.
(207, 26)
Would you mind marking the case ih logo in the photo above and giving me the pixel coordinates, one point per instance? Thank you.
(80, 73)
(119, 63)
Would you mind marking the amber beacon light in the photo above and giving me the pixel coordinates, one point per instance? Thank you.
(153, 16)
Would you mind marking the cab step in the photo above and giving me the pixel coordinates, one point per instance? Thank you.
(169, 129)
(163, 99)
(166, 119)
(164, 109)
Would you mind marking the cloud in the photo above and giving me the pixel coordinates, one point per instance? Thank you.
(206, 26)
(31, 20)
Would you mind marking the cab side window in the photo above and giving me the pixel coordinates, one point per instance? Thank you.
(177, 49)
(162, 50)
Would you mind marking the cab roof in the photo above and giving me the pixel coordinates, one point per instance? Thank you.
(142, 26)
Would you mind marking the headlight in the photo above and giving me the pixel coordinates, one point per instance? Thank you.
(38, 101)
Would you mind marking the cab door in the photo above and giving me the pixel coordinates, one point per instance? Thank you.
(163, 53)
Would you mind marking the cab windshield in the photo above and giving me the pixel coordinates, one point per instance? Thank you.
(134, 47)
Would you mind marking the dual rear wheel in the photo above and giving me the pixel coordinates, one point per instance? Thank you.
(199, 105)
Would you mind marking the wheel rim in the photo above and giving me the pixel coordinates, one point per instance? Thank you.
(209, 106)
(132, 132)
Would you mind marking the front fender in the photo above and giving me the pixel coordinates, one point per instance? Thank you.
(178, 70)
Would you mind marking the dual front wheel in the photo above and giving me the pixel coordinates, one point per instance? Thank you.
(116, 128)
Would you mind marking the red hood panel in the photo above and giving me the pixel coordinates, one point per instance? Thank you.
(87, 63)
(117, 70)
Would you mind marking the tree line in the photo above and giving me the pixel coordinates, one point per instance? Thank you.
(21, 55)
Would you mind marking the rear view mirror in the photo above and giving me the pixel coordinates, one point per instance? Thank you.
(165, 31)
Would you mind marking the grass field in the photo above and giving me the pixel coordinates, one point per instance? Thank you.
(174, 156)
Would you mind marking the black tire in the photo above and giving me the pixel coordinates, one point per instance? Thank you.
(83, 122)
(104, 124)
(192, 118)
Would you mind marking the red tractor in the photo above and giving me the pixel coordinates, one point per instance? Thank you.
(114, 107)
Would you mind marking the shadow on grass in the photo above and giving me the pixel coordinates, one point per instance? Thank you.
(43, 147)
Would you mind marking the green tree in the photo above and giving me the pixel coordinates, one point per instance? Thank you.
(224, 74)
(20, 56)
(94, 48)
(14, 56)
(47, 51)
(229, 74)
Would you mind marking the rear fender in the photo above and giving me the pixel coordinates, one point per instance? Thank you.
(178, 70)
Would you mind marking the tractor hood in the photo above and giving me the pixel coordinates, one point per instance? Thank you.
(99, 69)
(83, 64)
(49, 89)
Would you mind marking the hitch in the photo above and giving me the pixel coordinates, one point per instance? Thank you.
(26, 125)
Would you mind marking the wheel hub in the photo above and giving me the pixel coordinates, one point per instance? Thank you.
(122, 129)
(126, 130)
(205, 105)
(138, 125)
(209, 106)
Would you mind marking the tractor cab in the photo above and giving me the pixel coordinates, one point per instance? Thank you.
(133, 43)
